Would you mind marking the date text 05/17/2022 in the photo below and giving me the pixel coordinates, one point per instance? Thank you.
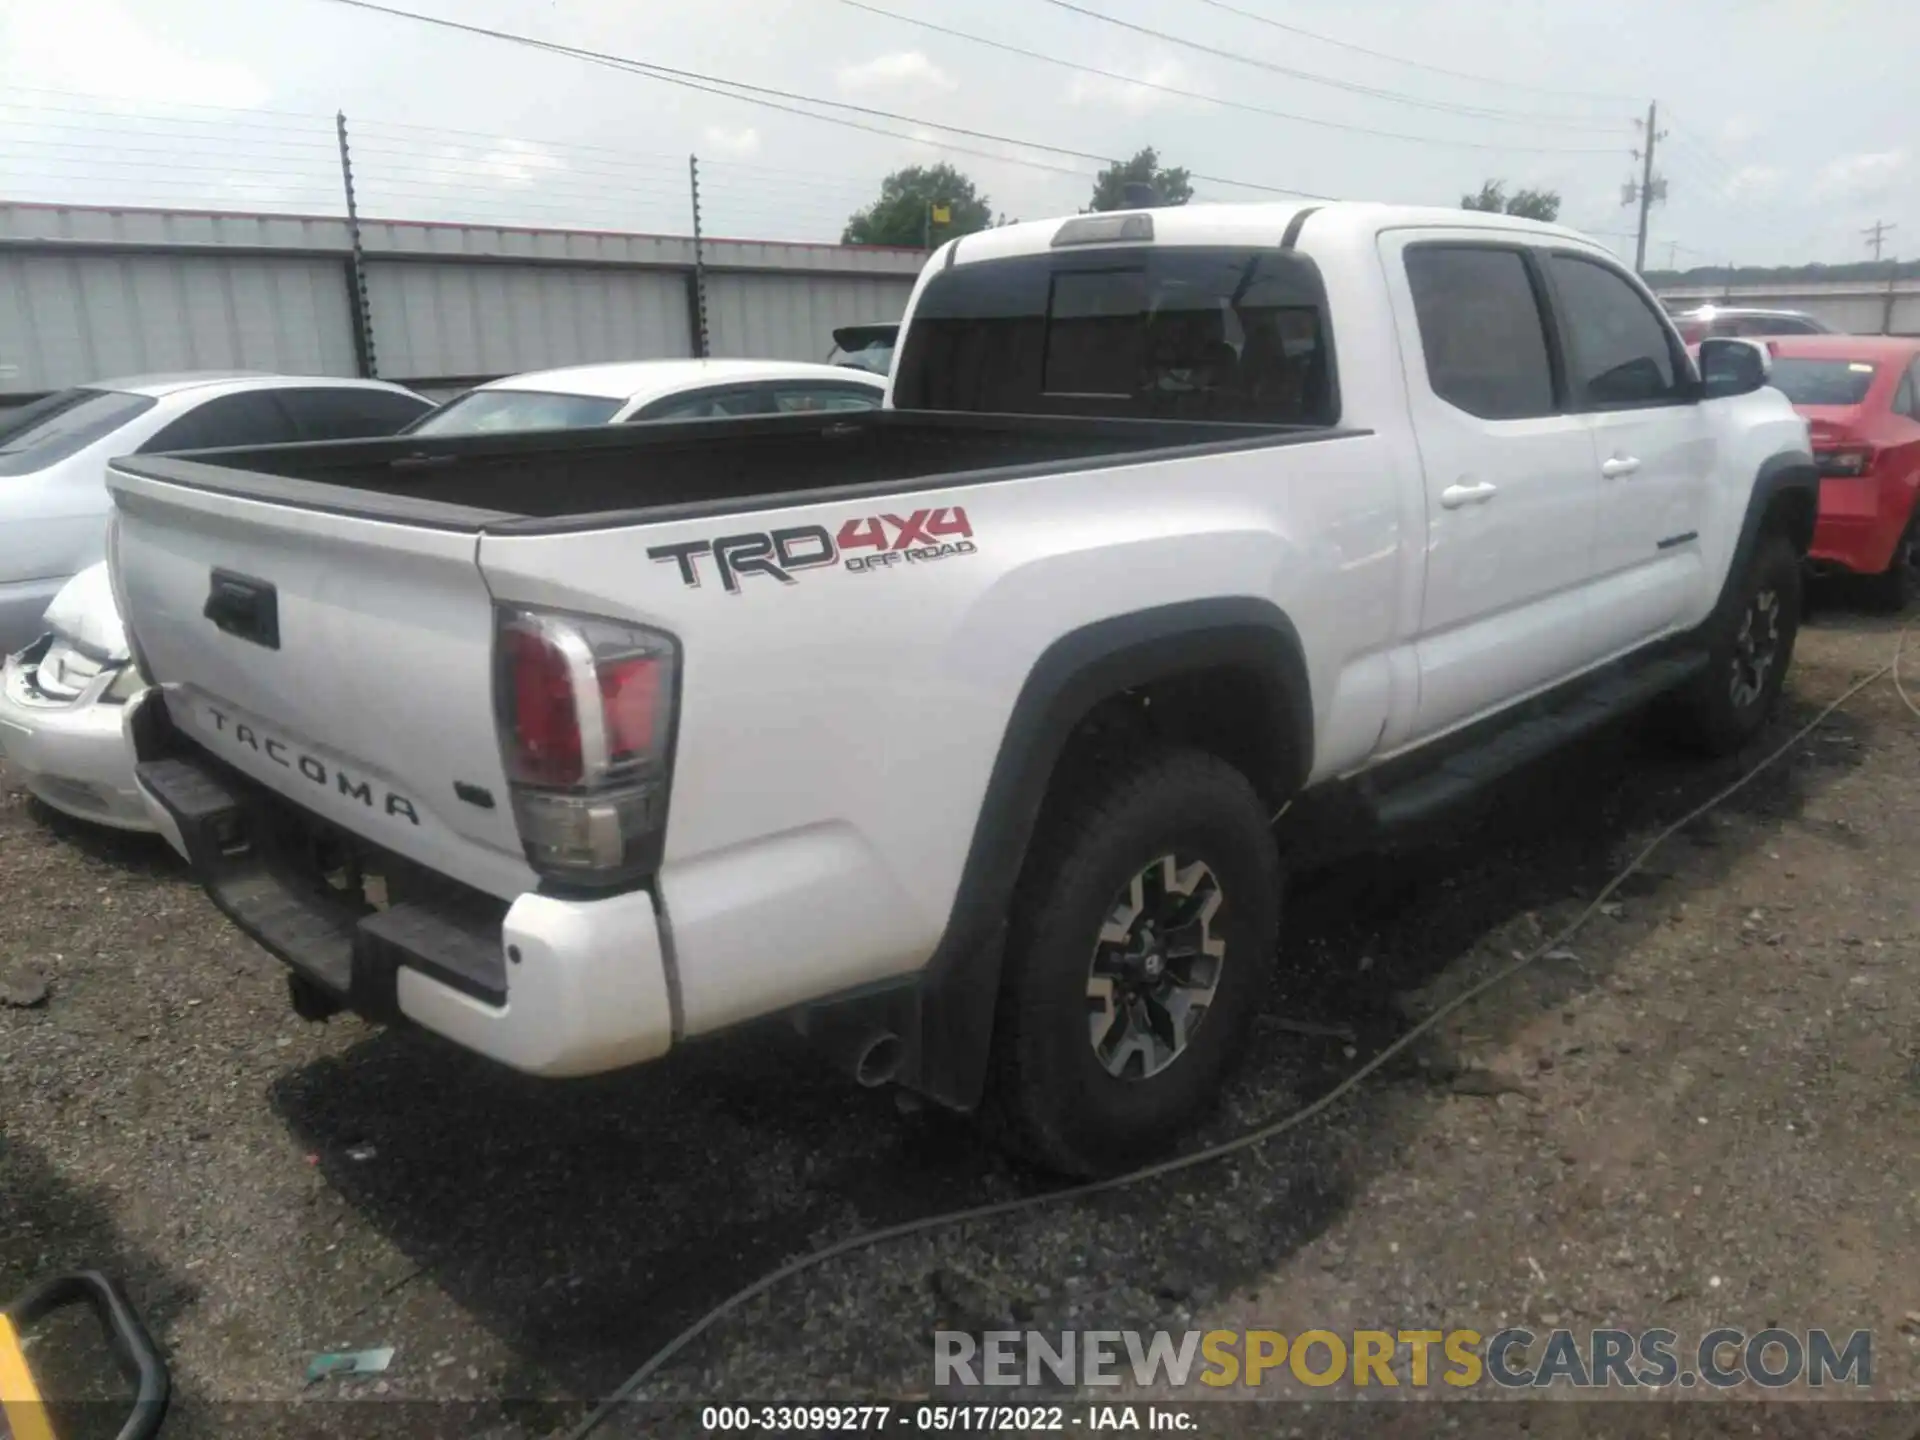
(946, 1418)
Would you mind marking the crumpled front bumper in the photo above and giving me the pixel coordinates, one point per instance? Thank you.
(73, 757)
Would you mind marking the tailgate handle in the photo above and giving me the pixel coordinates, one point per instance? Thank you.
(244, 607)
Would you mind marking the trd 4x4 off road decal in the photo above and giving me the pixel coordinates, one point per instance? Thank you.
(871, 542)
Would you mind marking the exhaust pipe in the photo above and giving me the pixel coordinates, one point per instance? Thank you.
(862, 1046)
(879, 1062)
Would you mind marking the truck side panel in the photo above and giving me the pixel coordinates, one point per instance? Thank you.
(839, 719)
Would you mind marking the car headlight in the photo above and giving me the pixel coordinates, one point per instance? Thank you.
(127, 683)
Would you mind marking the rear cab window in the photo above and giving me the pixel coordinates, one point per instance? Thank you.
(1166, 332)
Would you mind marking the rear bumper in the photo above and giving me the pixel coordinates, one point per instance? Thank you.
(546, 985)
(1860, 522)
(73, 757)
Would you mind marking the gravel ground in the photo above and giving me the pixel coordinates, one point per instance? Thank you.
(1701, 1112)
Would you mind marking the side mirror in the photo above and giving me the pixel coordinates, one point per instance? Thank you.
(1732, 367)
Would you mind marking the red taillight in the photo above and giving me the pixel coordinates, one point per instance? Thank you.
(585, 714)
(630, 696)
(543, 723)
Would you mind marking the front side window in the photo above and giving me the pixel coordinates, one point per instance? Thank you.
(490, 412)
(1620, 352)
(1481, 330)
(56, 426)
(1166, 333)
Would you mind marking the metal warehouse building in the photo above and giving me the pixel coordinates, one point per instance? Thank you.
(87, 293)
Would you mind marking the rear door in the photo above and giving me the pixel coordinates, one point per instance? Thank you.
(342, 660)
(1511, 488)
(1655, 447)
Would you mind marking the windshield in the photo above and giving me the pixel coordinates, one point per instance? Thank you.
(59, 425)
(488, 412)
(1822, 382)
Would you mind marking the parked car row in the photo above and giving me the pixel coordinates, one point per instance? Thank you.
(64, 687)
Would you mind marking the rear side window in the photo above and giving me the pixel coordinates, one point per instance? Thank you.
(1163, 333)
(1621, 355)
(56, 426)
(714, 405)
(491, 412)
(253, 417)
(1481, 330)
(347, 412)
(1906, 400)
(805, 399)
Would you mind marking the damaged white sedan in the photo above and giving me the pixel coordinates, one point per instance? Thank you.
(61, 700)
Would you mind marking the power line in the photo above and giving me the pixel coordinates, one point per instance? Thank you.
(695, 80)
(1212, 99)
(1351, 86)
(1412, 64)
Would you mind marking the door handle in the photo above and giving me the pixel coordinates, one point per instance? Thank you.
(1620, 465)
(1454, 496)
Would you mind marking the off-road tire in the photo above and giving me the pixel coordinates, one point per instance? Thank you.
(1722, 710)
(1051, 1097)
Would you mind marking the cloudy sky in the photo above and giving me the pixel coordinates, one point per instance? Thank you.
(1792, 124)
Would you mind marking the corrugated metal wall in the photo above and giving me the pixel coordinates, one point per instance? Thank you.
(770, 317)
(88, 293)
(437, 318)
(69, 318)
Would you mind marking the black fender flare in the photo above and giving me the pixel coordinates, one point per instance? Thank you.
(949, 1029)
(1791, 472)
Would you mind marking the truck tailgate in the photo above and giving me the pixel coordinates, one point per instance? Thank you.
(344, 662)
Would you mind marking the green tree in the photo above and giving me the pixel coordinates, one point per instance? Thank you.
(1528, 204)
(1171, 186)
(908, 198)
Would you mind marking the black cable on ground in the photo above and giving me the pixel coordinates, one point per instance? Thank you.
(868, 1239)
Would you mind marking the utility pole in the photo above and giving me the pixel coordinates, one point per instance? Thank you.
(1649, 189)
(699, 263)
(1876, 236)
(357, 265)
(1673, 254)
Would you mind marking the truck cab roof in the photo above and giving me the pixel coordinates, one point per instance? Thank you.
(1264, 223)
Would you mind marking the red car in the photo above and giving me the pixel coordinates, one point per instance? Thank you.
(1861, 397)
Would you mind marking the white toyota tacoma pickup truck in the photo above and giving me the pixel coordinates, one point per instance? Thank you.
(958, 731)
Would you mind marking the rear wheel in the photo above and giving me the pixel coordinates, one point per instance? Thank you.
(1898, 586)
(1142, 938)
(1748, 657)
